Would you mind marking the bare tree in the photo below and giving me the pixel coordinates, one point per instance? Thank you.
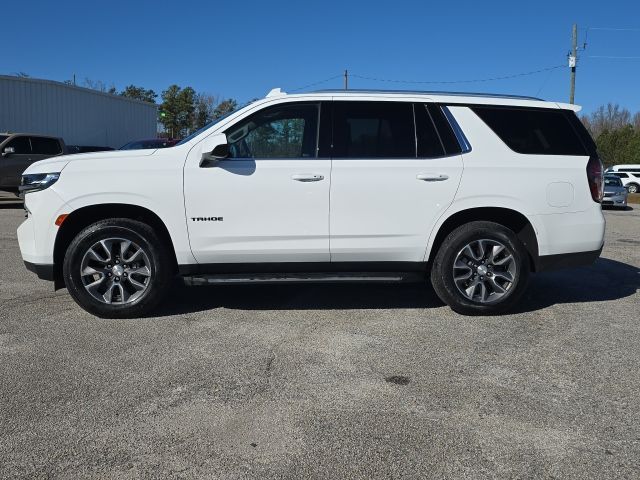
(611, 117)
(205, 108)
(99, 85)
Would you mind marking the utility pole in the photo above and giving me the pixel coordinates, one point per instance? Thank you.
(573, 59)
(346, 80)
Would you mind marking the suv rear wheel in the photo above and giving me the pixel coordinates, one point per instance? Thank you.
(117, 268)
(481, 268)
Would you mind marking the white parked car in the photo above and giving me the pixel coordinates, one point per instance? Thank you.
(628, 174)
(471, 191)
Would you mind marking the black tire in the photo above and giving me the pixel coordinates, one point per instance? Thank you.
(156, 251)
(633, 188)
(442, 271)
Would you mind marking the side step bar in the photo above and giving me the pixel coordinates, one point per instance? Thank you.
(275, 278)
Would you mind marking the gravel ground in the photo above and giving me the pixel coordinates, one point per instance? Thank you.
(325, 381)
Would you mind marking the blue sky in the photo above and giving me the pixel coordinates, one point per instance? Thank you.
(243, 49)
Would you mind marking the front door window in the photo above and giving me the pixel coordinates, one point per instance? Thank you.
(283, 131)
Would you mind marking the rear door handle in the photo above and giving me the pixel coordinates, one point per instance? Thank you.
(432, 177)
(307, 177)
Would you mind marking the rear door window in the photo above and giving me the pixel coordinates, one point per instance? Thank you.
(45, 146)
(447, 135)
(373, 130)
(428, 141)
(533, 130)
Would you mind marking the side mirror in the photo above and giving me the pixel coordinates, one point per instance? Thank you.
(8, 151)
(214, 149)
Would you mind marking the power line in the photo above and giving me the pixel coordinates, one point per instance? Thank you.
(431, 82)
(504, 77)
(605, 29)
(544, 83)
(614, 56)
(316, 83)
(615, 29)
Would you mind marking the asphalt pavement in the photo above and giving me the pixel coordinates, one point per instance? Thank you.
(342, 381)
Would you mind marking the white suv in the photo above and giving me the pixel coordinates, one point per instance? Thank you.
(628, 174)
(473, 191)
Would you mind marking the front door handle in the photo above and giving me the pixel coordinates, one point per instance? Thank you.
(432, 177)
(307, 177)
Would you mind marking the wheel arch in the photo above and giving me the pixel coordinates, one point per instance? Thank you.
(85, 216)
(512, 219)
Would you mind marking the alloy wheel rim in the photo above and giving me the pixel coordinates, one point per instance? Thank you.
(115, 271)
(484, 271)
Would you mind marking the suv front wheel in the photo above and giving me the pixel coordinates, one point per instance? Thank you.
(117, 268)
(481, 268)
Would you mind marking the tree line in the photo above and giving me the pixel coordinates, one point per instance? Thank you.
(616, 133)
(183, 110)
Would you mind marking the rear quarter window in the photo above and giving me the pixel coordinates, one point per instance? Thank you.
(534, 131)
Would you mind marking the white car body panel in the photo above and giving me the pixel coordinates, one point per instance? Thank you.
(151, 179)
(363, 210)
(267, 216)
(496, 176)
(382, 211)
(376, 203)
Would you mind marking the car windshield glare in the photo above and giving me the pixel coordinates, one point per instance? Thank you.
(610, 181)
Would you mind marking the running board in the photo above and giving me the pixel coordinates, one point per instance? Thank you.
(274, 278)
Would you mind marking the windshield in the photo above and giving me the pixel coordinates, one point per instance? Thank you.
(209, 125)
(3, 138)
(610, 181)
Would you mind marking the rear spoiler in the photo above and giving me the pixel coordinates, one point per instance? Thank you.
(569, 106)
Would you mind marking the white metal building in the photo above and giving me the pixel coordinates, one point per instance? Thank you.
(80, 116)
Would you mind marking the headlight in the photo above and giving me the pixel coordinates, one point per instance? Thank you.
(37, 181)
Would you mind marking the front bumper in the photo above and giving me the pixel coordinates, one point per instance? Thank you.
(615, 201)
(37, 234)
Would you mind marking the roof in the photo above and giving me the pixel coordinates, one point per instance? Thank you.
(439, 96)
(10, 134)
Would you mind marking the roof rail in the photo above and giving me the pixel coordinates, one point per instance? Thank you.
(433, 92)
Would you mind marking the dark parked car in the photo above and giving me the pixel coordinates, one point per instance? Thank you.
(19, 150)
(149, 143)
(71, 149)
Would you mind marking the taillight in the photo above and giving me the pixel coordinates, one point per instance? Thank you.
(595, 178)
